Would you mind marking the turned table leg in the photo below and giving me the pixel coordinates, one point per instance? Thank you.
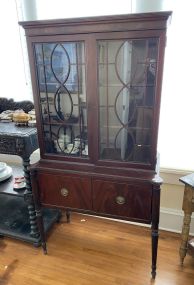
(38, 212)
(41, 227)
(34, 232)
(188, 208)
(185, 236)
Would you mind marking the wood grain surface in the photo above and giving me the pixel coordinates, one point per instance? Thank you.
(94, 251)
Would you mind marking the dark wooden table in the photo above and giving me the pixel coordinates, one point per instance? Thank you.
(17, 212)
(188, 208)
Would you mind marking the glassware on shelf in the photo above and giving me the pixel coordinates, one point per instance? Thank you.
(5, 171)
(85, 150)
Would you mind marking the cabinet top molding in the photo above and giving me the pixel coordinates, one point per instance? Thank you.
(128, 22)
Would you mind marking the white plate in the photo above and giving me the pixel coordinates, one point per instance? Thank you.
(6, 173)
(3, 166)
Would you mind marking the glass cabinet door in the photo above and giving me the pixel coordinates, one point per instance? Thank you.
(60, 71)
(126, 89)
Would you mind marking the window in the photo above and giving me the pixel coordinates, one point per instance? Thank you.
(13, 76)
(176, 135)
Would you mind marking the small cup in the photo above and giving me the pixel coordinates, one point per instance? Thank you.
(19, 182)
(19, 179)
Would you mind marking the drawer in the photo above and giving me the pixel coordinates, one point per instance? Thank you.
(65, 191)
(132, 200)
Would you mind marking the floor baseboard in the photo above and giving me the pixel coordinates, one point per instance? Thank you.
(172, 220)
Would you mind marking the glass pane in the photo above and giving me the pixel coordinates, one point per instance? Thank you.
(62, 91)
(126, 74)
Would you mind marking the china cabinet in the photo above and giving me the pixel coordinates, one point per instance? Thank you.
(97, 85)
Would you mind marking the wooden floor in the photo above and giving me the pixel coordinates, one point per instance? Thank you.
(94, 251)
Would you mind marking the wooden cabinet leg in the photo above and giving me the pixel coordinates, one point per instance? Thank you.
(155, 222)
(185, 236)
(68, 215)
(154, 251)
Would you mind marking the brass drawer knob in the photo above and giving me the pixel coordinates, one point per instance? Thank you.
(120, 200)
(64, 192)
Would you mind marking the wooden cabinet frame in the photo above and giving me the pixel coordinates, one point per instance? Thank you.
(107, 185)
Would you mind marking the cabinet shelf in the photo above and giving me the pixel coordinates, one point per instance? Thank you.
(62, 124)
(129, 85)
(128, 128)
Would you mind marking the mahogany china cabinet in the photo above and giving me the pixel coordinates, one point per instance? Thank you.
(97, 86)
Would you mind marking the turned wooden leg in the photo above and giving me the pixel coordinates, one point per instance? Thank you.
(29, 200)
(68, 215)
(38, 211)
(185, 236)
(154, 251)
(41, 229)
(34, 232)
(188, 208)
(155, 222)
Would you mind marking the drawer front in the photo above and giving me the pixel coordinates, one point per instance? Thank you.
(65, 191)
(123, 199)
